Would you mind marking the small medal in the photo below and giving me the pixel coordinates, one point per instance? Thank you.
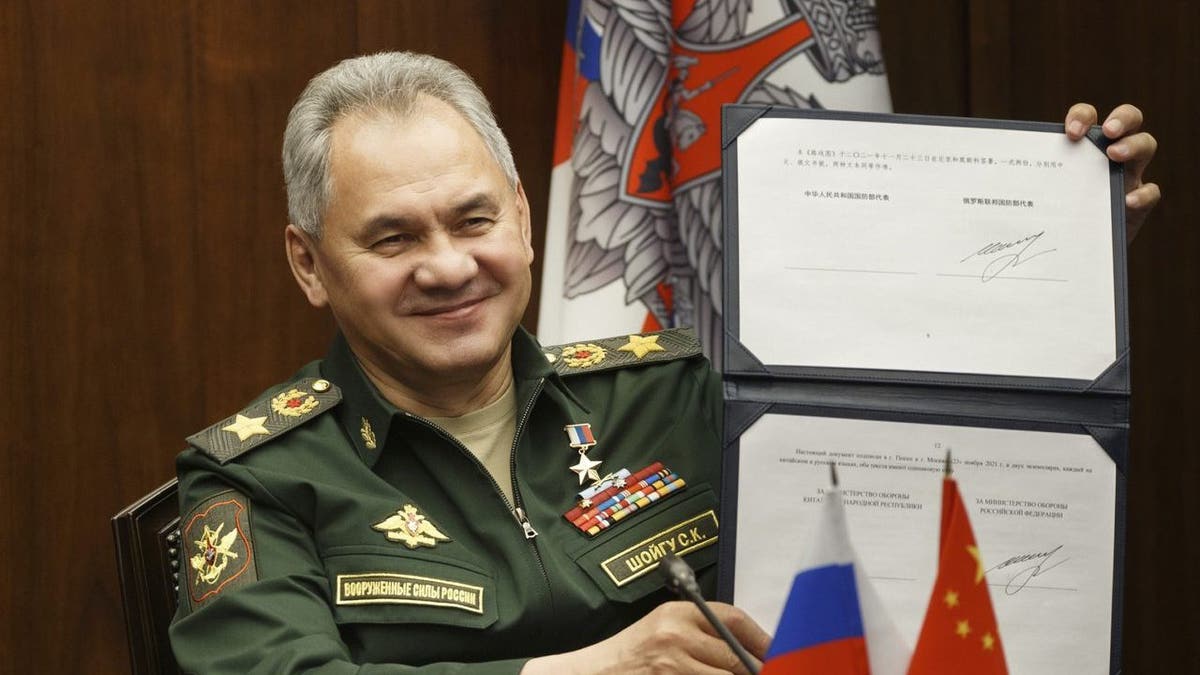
(580, 437)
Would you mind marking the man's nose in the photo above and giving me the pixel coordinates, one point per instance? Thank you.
(448, 263)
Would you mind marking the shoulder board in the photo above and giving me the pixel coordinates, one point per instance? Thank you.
(623, 351)
(268, 418)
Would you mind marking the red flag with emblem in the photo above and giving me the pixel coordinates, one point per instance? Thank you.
(633, 239)
(960, 633)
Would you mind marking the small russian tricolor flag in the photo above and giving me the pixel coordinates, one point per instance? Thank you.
(580, 435)
(832, 623)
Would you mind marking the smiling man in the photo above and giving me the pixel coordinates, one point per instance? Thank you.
(441, 493)
(423, 255)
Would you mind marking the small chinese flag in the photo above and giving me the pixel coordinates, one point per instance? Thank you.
(960, 634)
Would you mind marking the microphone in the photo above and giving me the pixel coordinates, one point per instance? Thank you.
(681, 579)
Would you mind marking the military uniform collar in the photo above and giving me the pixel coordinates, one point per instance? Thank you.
(367, 417)
(364, 414)
(532, 362)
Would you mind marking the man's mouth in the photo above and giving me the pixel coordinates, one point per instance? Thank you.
(450, 310)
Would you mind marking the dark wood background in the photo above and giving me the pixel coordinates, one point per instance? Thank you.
(145, 293)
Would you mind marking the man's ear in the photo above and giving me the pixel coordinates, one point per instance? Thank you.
(526, 225)
(302, 257)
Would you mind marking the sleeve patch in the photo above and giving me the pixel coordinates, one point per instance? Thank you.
(218, 549)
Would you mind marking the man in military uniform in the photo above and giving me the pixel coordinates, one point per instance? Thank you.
(441, 491)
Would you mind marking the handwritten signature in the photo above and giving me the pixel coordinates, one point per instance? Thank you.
(1015, 253)
(1026, 567)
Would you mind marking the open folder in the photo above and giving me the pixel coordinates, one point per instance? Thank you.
(899, 286)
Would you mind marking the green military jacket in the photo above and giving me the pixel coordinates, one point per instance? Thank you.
(326, 531)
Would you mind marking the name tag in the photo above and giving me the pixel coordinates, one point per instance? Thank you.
(407, 589)
(690, 535)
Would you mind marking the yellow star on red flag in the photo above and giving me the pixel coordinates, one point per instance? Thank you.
(951, 599)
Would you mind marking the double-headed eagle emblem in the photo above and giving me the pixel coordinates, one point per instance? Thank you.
(410, 528)
(646, 192)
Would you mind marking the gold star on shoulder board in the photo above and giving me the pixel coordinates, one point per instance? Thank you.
(245, 427)
(640, 346)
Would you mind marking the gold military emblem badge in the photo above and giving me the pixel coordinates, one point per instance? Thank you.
(410, 528)
(294, 403)
(583, 355)
(367, 433)
(213, 555)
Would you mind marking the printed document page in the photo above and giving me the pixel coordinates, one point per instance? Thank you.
(1041, 504)
(902, 246)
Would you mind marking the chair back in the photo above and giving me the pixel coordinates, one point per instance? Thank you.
(147, 538)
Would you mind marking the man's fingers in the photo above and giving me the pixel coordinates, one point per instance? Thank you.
(1080, 117)
(1144, 198)
(1123, 120)
(1138, 204)
(713, 652)
(1137, 149)
(746, 630)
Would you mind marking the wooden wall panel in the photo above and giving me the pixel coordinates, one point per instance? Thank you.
(16, 181)
(146, 293)
(94, 210)
(250, 63)
(925, 49)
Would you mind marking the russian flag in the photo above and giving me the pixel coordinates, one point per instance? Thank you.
(832, 622)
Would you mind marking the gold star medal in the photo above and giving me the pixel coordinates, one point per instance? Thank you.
(580, 437)
(410, 528)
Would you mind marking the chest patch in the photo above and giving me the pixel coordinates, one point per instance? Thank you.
(407, 589)
(219, 548)
(643, 557)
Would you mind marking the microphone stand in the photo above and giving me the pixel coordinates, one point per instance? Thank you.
(681, 579)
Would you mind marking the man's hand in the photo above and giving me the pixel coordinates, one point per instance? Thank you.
(674, 638)
(1135, 148)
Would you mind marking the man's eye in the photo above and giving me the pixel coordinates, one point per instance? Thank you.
(475, 223)
(399, 239)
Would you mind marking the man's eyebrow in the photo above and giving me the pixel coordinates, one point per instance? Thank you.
(384, 222)
(479, 201)
(387, 222)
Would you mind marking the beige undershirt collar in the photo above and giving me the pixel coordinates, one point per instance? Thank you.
(488, 434)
